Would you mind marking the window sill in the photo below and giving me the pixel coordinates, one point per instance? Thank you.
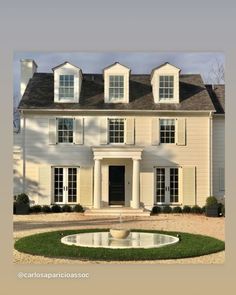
(116, 143)
(168, 204)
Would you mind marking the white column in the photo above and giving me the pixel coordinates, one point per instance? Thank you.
(136, 184)
(97, 184)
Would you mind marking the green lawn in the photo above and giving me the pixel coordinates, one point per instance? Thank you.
(49, 245)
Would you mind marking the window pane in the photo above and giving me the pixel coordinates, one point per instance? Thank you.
(116, 87)
(116, 130)
(160, 185)
(174, 185)
(66, 86)
(65, 130)
(167, 130)
(166, 86)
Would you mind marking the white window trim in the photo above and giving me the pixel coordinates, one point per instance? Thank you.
(65, 143)
(67, 69)
(66, 196)
(115, 100)
(170, 99)
(175, 98)
(155, 82)
(107, 75)
(68, 99)
(108, 131)
(176, 131)
(180, 203)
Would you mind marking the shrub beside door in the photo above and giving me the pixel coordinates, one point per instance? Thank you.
(21, 206)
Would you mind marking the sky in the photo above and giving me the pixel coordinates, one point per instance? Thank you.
(138, 62)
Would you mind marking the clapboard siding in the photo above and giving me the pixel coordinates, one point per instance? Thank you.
(195, 153)
(218, 154)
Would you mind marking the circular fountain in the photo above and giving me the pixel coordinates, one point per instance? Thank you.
(133, 240)
(119, 238)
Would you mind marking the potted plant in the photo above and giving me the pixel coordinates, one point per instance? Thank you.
(211, 207)
(22, 205)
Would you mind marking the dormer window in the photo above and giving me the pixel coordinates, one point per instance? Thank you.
(116, 83)
(165, 83)
(66, 86)
(166, 87)
(116, 87)
(67, 83)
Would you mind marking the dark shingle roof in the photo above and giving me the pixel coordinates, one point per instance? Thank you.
(39, 94)
(217, 94)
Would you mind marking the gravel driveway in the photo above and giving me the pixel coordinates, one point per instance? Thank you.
(26, 225)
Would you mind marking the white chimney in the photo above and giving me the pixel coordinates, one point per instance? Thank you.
(28, 68)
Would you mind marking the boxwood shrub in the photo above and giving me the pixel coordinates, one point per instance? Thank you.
(35, 209)
(167, 209)
(78, 208)
(186, 209)
(156, 210)
(211, 201)
(196, 209)
(56, 208)
(177, 209)
(66, 208)
(22, 198)
(46, 209)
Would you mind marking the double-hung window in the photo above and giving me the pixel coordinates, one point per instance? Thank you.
(65, 130)
(167, 130)
(116, 87)
(116, 131)
(166, 88)
(66, 87)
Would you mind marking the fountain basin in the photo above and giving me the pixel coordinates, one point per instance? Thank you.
(119, 233)
(133, 240)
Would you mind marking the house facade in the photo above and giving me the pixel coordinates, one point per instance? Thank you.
(117, 138)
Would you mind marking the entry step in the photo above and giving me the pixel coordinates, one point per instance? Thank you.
(116, 211)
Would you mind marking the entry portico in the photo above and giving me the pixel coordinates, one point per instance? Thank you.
(117, 152)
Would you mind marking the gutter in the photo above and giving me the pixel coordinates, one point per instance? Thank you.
(22, 126)
(118, 110)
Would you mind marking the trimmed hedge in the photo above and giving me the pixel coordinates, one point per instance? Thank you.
(78, 208)
(46, 209)
(35, 209)
(196, 210)
(56, 208)
(177, 210)
(156, 210)
(66, 208)
(167, 209)
(186, 209)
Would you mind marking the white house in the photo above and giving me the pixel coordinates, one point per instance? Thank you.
(118, 139)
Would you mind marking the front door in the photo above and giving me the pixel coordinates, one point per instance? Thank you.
(167, 185)
(116, 185)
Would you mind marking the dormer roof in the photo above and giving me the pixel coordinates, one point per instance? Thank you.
(163, 65)
(115, 64)
(65, 63)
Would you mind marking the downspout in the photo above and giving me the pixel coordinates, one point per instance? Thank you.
(210, 153)
(23, 150)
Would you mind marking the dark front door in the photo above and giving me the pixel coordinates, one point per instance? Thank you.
(116, 185)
